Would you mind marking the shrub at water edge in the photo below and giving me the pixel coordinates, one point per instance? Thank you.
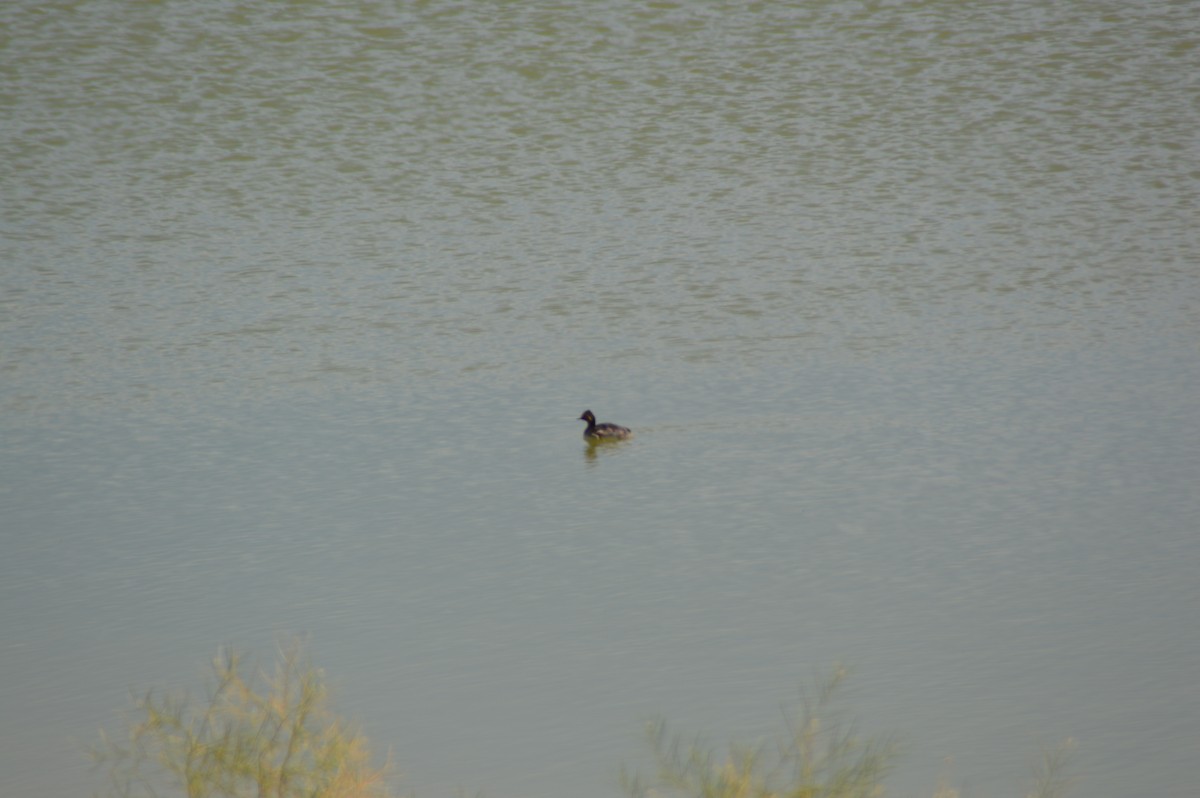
(253, 734)
(819, 755)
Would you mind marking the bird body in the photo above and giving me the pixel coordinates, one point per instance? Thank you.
(597, 433)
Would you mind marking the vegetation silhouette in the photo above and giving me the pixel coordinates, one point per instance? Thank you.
(253, 734)
(275, 736)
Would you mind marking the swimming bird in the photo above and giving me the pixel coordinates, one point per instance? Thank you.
(595, 433)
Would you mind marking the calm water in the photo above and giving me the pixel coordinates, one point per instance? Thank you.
(299, 303)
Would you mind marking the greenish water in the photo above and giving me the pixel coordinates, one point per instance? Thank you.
(299, 303)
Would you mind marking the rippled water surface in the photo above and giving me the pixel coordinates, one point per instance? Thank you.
(299, 303)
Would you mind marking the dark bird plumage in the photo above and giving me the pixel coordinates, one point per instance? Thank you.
(596, 433)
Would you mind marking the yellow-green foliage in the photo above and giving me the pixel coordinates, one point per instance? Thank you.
(819, 757)
(253, 735)
(265, 736)
(1050, 778)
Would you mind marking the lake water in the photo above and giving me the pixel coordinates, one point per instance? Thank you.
(299, 304)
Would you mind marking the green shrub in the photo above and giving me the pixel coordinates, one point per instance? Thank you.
(820, 756)
(1050, 777)
(275, 737)
(253, 735)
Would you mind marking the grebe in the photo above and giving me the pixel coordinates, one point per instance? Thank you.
(596, 433)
